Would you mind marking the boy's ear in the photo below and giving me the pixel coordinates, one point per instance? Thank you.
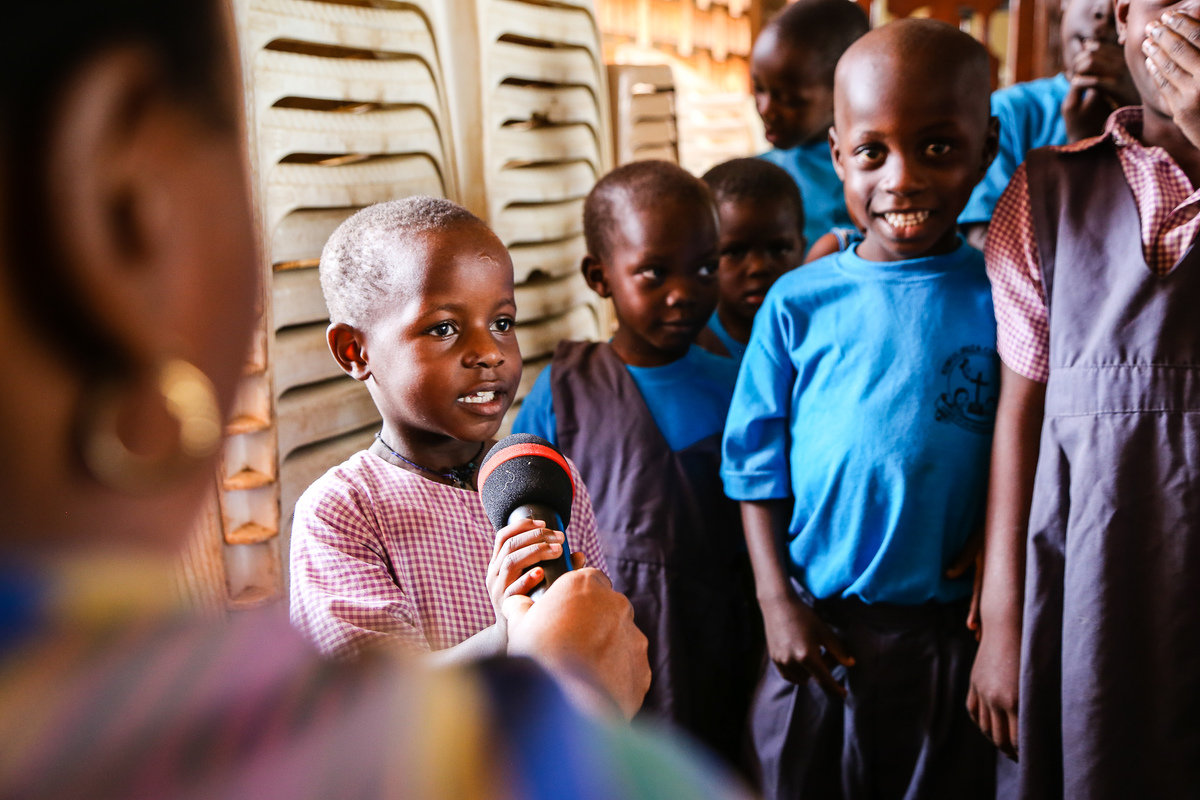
(1121, 16)
(349, 348)
(593, 273)
(836, 154)
(991, 145)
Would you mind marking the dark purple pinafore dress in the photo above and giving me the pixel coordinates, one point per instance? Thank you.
(1110, 666)
(673, 542)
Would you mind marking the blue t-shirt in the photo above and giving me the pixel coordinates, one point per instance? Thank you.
(1030, 116)
(736, 349)
(688, 399)
(811, 167)
(868, 393)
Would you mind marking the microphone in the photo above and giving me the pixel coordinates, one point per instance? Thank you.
(525, 477)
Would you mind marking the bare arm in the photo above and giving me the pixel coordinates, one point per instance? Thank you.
(799, 643)
(992, 699)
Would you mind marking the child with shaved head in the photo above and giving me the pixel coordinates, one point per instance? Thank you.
(791, 68)
(642, 416)
(858, 442)
(394, 545)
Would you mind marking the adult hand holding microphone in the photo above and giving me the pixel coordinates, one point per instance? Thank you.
(580, 628)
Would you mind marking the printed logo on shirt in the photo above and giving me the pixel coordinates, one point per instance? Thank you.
(972, 377)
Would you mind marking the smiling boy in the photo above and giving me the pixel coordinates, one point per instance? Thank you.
(858, 443)
(642, 416)
(791, 70)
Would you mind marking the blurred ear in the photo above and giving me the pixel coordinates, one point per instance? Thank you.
(593, 273)
(836, 153)
(1121, 8)
(349, 347)
(149, 205)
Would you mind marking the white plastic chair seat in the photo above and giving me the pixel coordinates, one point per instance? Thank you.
(302, 356)
(532, 224)
(292, 186)
(292, 130)
(562, 105)
(515, 146)
(393, 30)
(540, 338)
(552, 183)
(313, 413)
(554, 259)
(568, 66)
(300, 236)
(402, 81)
(296, 297)
(549, 298)
(573, 27)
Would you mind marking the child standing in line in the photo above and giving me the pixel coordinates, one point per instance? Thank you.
(1093, 539)
(1070, 106)
(642, 416)
(858, 443)
(394, 544)
(791, 68)
(762, 237)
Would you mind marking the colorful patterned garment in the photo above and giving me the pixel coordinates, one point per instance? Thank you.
(382, 554)
(172, 708)
(1167, 207)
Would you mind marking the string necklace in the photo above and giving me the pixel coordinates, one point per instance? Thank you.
(459, 477)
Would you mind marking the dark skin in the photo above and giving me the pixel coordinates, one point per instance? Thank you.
(759, 242)
(792, 91)
(909, 152)
(1094, 63)
(660, 270)
(1158, 40)
(442, 364)
(903, 140)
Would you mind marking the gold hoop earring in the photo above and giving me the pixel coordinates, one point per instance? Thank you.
(189, 398)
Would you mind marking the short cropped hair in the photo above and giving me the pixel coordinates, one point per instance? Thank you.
(755, 179)
(825, 28)
(358, 268)
(632, 187)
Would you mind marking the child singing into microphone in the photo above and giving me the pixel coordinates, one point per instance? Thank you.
(394, 544)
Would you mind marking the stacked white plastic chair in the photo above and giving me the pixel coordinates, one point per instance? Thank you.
(643, 112)
(346, 105)
(546, 142)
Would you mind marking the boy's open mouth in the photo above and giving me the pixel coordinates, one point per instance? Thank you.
(478, 398)
(905, 223)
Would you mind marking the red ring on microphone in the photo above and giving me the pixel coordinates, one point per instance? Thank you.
(526, 449)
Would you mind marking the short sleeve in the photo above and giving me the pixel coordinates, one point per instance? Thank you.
(536, 415)
(1014, 267)
(343, 595)
(754, 463)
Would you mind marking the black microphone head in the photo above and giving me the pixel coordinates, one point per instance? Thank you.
(522, 469)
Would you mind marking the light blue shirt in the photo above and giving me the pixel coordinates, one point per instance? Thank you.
(736, 349)
(688, 399)
(1030, 116)
(868, 393)
(811, 167)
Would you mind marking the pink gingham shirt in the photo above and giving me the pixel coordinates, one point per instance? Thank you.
(382, 554)
(1167, 206)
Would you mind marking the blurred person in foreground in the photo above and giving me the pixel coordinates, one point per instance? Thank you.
(127, 286)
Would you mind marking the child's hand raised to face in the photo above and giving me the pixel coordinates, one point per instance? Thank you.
(1172, 49)
(520, 546)
(1100, 84)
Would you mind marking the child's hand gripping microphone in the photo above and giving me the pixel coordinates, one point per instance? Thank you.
(524, 477)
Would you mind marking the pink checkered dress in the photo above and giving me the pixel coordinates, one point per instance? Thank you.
(382, 554)
(1167, 206)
